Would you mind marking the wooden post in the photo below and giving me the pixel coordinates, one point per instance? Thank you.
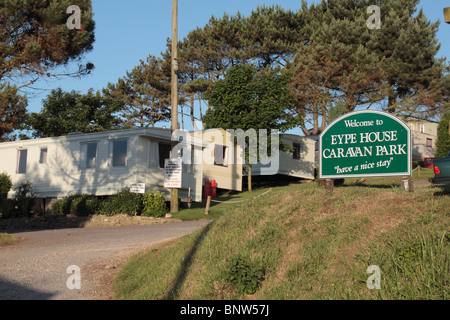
(208, 204)
(329, 185)
(418, 170)
(174, 94)
(407, 184)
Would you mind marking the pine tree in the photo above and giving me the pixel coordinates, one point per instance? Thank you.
(334, 64)
(268, 37)
(34, 42)
(406, 47)
(394, 69)
(35, 38)
(145, 93)
(12, 111)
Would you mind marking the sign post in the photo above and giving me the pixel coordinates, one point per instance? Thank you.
(173, 173)
(365, 144)
(174, 94)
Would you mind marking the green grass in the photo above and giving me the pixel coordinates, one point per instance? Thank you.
(6, 239)
(311, 245)
(219, 205)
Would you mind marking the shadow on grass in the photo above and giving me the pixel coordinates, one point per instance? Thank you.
(373, 186)
(444, 191)
(186, 263)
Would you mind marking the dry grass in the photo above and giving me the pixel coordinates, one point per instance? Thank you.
(311, 244)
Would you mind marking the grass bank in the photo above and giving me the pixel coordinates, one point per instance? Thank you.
(306, 244)
(6, 239)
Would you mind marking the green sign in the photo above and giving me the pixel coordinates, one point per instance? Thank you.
(365, 144)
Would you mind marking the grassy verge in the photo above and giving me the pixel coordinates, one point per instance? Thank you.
(219, 205)
(309, 244)
(6, 239)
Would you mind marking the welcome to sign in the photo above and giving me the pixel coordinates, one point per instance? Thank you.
(365, 144)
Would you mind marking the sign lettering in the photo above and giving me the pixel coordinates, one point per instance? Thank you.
(365, 144)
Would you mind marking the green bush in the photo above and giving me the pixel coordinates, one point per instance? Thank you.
(62, 206)
(245, 275)
(5, 185)
(154, 205)
(83, 205)
(58, 206)
(24, 199)
(123, 202)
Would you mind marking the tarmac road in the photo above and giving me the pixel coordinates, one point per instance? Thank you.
(37, 268)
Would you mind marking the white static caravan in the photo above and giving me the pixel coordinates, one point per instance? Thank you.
(298, 164)
(96, 163)
(221, 159)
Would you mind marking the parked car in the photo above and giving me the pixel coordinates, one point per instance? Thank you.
(442, 170)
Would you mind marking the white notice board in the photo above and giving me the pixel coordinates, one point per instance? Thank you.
(137, 188)
(173, 173)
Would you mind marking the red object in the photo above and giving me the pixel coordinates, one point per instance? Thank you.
(213, 188)
(207, 191)
(428, 162)
(436, 170)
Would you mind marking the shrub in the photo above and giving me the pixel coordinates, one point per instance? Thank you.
(154, 205)
(245, 275)
(24, 199)
(83, 205)
(123, 202)
(58, 206)
(62, 206)
(5, 185)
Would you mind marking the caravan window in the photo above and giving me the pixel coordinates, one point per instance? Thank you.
(22, 161)
(88, 155)
(43, 155)
(119, 152)
(297, 149)
(220, 155)
(164, 153)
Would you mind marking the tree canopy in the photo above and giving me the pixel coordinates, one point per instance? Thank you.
(443, 140)
(248, 98)
(66, 112)
(35, 38)
(330, 54)
(145, 93)
(394, 69)
(34, 42)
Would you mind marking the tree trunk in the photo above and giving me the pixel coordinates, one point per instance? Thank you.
(192, 112)
(391, 104)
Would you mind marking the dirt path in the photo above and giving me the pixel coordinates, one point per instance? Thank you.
(36, 268)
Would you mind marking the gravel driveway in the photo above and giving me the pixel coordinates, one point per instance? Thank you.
(36, 268)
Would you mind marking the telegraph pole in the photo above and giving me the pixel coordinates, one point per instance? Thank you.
(174, 94)
(447, 15)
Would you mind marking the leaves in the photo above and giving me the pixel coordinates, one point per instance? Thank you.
(145, 94)
(443, 140)
(12, 110)
(65, 112)
(35, 37)
(245, 275)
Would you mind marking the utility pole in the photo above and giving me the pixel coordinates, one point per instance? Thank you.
(174, 94)
(447, 15)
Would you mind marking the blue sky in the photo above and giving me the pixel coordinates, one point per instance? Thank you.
(127, 31)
